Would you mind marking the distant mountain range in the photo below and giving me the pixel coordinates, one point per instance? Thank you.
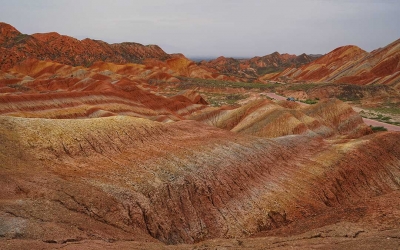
(16, 47)
(126, 150)
(258, 66)
(347, 64)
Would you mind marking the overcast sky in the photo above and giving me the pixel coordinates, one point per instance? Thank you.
(237, 28)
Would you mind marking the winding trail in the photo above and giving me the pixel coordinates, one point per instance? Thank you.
(367, 121)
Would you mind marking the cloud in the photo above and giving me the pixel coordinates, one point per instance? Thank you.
(213, 28)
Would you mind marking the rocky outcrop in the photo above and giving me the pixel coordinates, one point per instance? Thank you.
(349, 64)
(257, 66)
(16, 47)
(193, 96)
(52, 90)
(264, 118)
(61, 91)
(146, 170)
(124, 178)
(20, 49)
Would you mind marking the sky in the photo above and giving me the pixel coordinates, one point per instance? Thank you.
(212, 28)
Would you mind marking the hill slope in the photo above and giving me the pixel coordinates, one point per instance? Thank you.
(16, 47)
(349, 64)
(257, 66)
(125, 178)
(106, 157)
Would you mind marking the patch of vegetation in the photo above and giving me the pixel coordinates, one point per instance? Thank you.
(388, 109)
(378, 117)
(310, 101)
(18, 87)
(302, 86)
(217, 100)
(351, 92)
(394, 123)
(267, 70)
(235, 97)
(21, 38)
(378, 129)
(197, 82)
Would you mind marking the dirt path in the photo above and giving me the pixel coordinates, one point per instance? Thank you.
(374, 123)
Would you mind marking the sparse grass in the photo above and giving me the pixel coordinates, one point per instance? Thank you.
(302, 86)
(378, 129)
(18, 87)
(267, 70)
(355, 93)
(379, 117)
(394, 123)
(310, 101)
(388, 109)
(20, 38)
(217, 100)
(196, 82)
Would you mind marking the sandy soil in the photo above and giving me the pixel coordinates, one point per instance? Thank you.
(367, 121)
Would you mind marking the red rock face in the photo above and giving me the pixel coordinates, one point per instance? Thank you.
(328, 119)
(126, 176)
(257, 66)
(7, 33)
(61, 91)
(20, 50)
(142, 170)
(349, 64)
(123, 178)
(16, 47)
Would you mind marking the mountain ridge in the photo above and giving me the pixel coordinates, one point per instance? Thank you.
(258, 65)
(131, 156)
(16, 47)
(71, 51)
(349, 64)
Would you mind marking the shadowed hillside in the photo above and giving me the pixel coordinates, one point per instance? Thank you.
(15, 47)
(257, 66)
(349, 64)
(135, 152)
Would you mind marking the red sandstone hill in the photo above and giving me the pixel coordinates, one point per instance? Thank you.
(16, 47)
(349, 64)
(126, 179)
(52, 90)
(258, 65)
(45, 89)
(98, 158)
(142, 170)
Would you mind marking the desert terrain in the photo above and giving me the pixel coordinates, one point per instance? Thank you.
(123, 146)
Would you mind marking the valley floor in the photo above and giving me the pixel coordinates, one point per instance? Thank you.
(367, 121)
(358, 229)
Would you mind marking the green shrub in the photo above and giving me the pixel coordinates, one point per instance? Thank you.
(378, 129)
(310, 101)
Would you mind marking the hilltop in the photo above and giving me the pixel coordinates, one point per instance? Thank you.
(349, 64)
(258, 66)
(15, 47)
(146, 150)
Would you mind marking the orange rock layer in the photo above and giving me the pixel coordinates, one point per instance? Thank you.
(143, 168)
(256, 66)
(16, 47)
(124, 178)
(349, 64)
